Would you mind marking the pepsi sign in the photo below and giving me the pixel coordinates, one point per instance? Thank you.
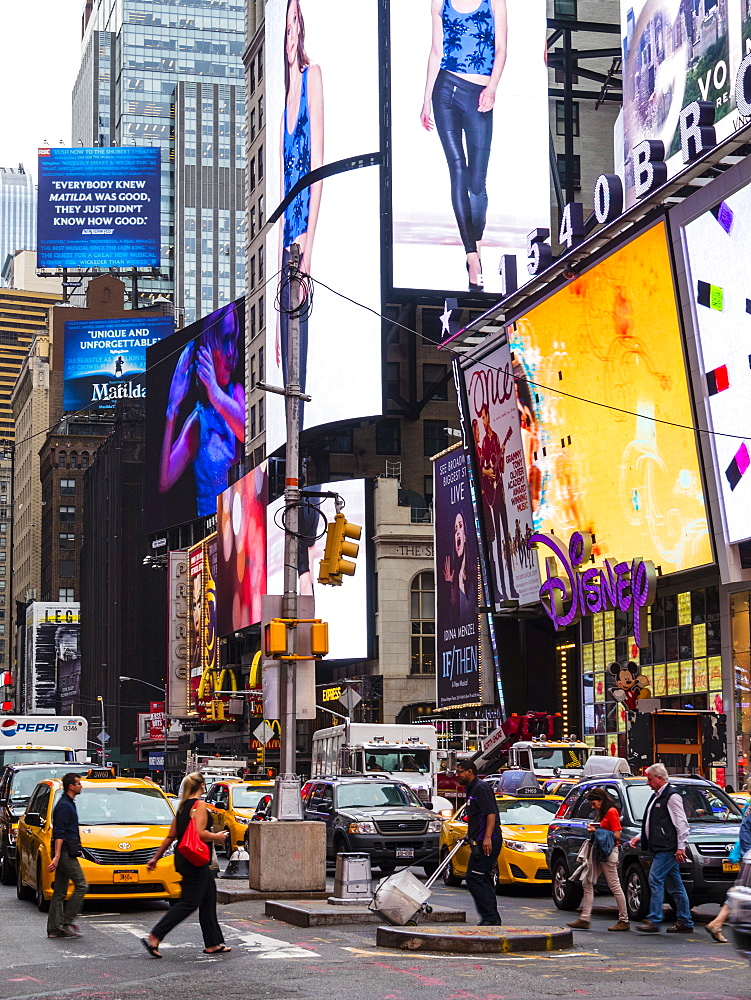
(10, 727)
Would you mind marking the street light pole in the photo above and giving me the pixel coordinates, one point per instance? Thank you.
(100, 699)
(164, 720)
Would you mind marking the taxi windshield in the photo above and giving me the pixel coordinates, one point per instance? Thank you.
(536, 812)
(371, 794)
(122, 806)
(563, 757)
(702, 803)
(248, 796)
(24, 782)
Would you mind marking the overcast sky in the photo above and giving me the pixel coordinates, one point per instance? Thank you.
(39, 56)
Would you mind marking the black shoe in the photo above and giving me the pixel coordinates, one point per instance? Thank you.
(490, 923)
(476, 286)
(679, 928)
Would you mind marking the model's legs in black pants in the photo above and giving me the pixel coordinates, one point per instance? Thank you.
(198, 893)
(461, 125)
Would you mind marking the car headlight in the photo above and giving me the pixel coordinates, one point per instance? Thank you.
(12, 834)
(435, 826)
(361, 828)
(242, 819)
(520, 845)
(170, 850)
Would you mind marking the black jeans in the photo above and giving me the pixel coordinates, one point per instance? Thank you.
(460, 124)
(199, 893)
(480, 882)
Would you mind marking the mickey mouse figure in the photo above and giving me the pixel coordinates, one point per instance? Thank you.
(630, 685)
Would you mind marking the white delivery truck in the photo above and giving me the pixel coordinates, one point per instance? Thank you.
(407, 753)
(37, 738)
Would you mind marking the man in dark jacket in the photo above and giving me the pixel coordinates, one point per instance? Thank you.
(664, 832)
(66, 846)
(484, 834)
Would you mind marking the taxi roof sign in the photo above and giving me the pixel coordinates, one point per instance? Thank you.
(100, 773)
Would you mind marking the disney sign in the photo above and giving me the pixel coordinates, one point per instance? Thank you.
(619, 586)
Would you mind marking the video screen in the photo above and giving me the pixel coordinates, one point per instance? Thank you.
(195, 416)
(609, 440)
(470, 140)
(241, 556)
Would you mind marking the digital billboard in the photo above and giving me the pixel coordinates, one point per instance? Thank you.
(458, 586)
(676, 52)
(99, 207)
(345, 608)
(608, 425)
(465, 190)
(718, 243)
(105, 359)
(241, 557)
(52, 659)
(497, 433)
(195, 416)
(322, 107)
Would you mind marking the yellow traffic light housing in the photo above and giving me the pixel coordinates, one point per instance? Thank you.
(339, 552)
(319, 638)
(275, 638)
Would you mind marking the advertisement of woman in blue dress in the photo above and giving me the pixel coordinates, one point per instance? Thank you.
(301, 149)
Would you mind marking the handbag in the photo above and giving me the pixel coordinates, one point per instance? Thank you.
(736, 852)
(192, 848)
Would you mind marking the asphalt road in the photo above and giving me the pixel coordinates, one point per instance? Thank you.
(271, 959)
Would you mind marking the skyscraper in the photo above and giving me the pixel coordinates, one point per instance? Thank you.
(18, 214)
(133, 57)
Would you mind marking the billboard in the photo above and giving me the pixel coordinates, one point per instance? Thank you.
(178, 638)
(241, 557)
(718, 243)
(497, 427)
(195, 416)
(321, 108)
(52, 660)
(458, 187)
(458, 586)
(104, 359)
(99, 207)
(676, 52)
(608, 426)
(345, 608)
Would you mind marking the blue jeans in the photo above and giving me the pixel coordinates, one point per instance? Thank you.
(665, 874)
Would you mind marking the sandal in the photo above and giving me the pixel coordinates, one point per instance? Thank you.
(152, 949)
(222, 950)
(717, 935)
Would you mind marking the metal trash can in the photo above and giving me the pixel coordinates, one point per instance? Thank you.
(352, 879)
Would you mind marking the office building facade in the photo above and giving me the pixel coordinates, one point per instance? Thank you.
(18, 212)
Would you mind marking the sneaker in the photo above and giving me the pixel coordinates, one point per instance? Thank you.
(647, 927)
(679, 928)
(60, 933)
(622, 925)
(73, 930)
(579, 925)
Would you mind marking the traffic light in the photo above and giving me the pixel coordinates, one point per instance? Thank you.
(334, 565)
(275, 638)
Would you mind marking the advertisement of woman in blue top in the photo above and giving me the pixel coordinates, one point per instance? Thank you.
(302, 151)
(466, 62)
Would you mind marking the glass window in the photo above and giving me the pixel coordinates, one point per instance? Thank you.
(343, 441)
(67, 567)
(533, 811)
(577, 170)
(560, 117)
(435, 438)
(434, 381)
(388, 437)
(67, 540)
(371, 794)
(422, 602)
(261, 414)
(122, 807)
(67, 486)
(248, 796)
(67, 513)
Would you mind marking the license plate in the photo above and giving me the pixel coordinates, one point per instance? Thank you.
(405, 852)
(125, 876)
(731, 866)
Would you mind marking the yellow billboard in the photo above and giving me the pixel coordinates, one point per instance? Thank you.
(605, 412)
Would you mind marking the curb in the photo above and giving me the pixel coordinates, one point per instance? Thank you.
(244, 895)
(298, 914)
(457, 939)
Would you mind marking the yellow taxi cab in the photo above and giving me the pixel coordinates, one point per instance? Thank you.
(741, 799)
(524, 825)
(122, 822)
(232, 804)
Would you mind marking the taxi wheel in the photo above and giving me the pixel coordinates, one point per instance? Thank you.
(228, 845)
(7, 872)
(567, 895)
(449, 879)
(22, 890)
(42, 904)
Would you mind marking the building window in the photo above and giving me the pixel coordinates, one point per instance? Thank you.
(260, 263)
(428, 489)
(252, 81)
(65, 595)
(252, 422)
(67, 567)
(252, 125)
(577, 171)
(252, 322)
(252, 173)
(393, 379)
(260, 211)
(565, 9)
(388, 437)
(253, 271)
(62, 460)
(260, 163)
(260, 65)
(422, 602)
(261, 416)
(74, 460)
(261, 314)
(253, 222)
(67, 513)
(261, 364)
(343, 441)
(67, 540)
(434, 381)
(84, 459)
(435, 438)
(253, 371)
(67, 486)
(560, 117)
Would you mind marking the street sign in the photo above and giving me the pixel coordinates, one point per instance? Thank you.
(103, 737)
(156, 761)
(263, 733)
(350, 699)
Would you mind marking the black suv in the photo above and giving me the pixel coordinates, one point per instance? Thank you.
(379, 817)
(17, 782)
(714, 821)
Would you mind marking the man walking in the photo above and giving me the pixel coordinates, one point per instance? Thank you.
(66, 841)
(664, 832)
(484, 834)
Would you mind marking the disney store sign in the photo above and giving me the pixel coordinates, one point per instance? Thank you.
(577, 592)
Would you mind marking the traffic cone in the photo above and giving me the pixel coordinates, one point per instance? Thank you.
(239, 865)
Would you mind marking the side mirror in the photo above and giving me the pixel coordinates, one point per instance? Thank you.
(428, 805)
(33, 819)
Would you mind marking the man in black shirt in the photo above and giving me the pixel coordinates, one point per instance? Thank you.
(66, 846)
(484, 834)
